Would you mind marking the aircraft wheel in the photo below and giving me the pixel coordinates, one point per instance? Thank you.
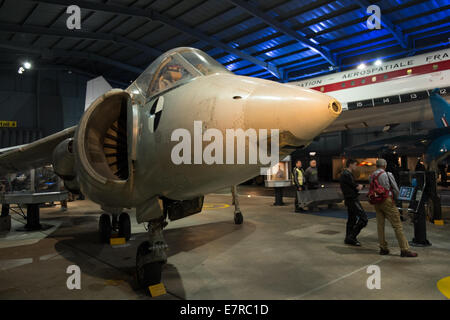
(238, 218)
(104, 228)
(147, 274)
(124, 226)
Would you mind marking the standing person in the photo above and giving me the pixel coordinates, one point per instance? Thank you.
(443, 172)
(312, 179)
(298, 178)
(357, 218)
(383, 191)
(419, 165)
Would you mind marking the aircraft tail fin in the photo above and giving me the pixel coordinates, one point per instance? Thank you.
(94, 89)
(441, 109)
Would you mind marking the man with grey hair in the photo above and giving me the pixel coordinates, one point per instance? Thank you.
(386, 209)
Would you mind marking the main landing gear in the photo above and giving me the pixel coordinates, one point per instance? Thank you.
(151, 255)
(121, 225)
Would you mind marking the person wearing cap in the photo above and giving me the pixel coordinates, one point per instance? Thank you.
(387, 210)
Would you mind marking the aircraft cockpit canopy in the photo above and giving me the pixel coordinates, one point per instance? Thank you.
(175, 68)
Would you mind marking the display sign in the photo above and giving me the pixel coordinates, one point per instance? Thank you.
(407, 97)
(386, 100)
(406, 193)
(8, 124)
(360, 104)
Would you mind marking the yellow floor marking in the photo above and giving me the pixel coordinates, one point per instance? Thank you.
(439, 222)
(113, 282)
(116, 241)
(207, 206)
(157, 290)
(444, 286)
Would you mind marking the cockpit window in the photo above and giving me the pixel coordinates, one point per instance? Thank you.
(172, 71)
(203, 63)
(173, 68)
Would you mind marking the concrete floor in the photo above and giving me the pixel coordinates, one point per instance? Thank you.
(275, 254)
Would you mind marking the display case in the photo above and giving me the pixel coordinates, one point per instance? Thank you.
(279, 174)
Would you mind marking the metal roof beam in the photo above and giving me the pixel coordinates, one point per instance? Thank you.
(252, 8)
(180, 26)
(7, 27)
(387, 23)
(47, 53)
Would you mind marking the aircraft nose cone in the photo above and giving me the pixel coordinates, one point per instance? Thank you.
(335, 107)
(299, 114)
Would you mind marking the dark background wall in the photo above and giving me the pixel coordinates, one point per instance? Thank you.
(41, 101)
(333, 144)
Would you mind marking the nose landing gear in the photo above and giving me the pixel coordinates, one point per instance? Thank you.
(151, 255)
(238, 217)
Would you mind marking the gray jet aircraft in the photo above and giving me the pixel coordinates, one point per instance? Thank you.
(120, 155)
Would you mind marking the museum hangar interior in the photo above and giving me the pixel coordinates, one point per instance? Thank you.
(118, 160)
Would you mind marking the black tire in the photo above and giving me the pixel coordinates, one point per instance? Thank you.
(104, 228)
(124, 226)
(238, 218)
(148, 274)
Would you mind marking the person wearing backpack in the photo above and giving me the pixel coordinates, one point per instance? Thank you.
(357, 218)
(382, 193)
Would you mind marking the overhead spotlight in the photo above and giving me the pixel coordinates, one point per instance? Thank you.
(361, 66)
(27, 65)
(21, 70)
(312, 154)
(378, 62)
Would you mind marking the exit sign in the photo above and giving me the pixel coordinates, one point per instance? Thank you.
(8, 124)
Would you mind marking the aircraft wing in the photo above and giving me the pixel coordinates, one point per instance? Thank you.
(32, 155)
(405, 144)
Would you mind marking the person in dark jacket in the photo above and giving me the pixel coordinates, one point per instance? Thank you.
(312, 176)
(357, 218)
(298, 177)
(312, 180)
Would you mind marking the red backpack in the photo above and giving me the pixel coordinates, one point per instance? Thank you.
(377, 193)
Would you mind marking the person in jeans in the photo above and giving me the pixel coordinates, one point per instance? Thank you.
(357, 217)
(387, 210)
(298, 178)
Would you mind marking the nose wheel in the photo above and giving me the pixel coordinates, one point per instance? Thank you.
(151, 255)
(147, 273)
(238, 218)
